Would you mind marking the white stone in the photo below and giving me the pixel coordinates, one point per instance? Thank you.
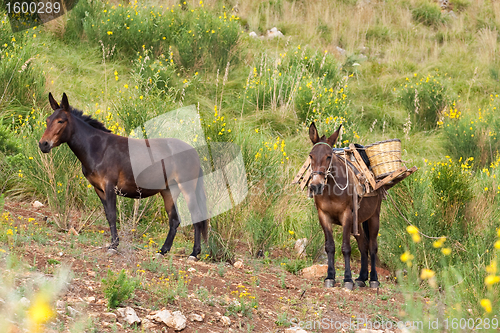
(225, 321)
(274, 32)
(25, 302)
(195, 317)
(253, 34)
(148, 324)
(90, 299)
(128, 314)
(37, 204)
(175, 320)
(238, 264)
(191, 269)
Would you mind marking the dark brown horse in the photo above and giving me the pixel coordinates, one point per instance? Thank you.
(333, 189)
(109, 162)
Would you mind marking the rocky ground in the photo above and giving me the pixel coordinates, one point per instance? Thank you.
(174, 293)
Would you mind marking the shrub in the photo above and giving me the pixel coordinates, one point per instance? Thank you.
(118, 289)
(428, 13)
(424, 98)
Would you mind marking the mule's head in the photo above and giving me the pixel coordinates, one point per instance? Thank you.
(58, 125)
(321, 158)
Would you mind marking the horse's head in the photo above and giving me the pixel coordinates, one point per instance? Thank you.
(322, 158)
(58, 125)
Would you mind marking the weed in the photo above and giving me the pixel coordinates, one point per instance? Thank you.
(118, 289)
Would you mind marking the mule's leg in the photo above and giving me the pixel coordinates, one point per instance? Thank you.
(373, 225)
(108, 199)
(197, 207)
(346, 221)
(326, 224)
(362, 240)
(173, 220)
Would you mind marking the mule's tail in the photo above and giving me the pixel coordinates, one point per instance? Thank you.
(202, 201)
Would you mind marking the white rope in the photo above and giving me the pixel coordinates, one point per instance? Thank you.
(347, 175)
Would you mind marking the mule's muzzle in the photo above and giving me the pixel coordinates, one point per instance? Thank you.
(45, 146)
(316, 189)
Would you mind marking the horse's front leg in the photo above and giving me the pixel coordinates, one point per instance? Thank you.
(326, 224)
(173, 220)
(346, 221)
(362, 240)
(108, 199)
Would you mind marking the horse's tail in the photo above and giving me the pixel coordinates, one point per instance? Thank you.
(202, 198)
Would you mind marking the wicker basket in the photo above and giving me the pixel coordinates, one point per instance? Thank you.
(385, 157)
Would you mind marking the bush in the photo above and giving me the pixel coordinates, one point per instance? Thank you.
(118, 289)
(424, 98)
(428, 13)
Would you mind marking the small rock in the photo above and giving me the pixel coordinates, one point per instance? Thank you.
(100, 302)
(60, 304)
(129, 315)
(90, 299)
(175, 320)
(238, 264)
(148, 324)
(110, 315)
(340, 50)
(274, 32)
(73, 312)
(195, 317)
(315, 271)
(37, 204)
(25, 302)
(191, 269)
(253, 34)
(300, 247)
(225, 321)
(91, 273)
(105, 324)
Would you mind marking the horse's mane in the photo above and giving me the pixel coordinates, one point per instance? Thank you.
(89, 120)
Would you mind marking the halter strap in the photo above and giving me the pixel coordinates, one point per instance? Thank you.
(322, 143)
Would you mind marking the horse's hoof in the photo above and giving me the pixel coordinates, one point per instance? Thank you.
(360, 283)
(111, 252)
(329, 283)
(374, 284)
(158, 256)
(192, 258)
(349, 285)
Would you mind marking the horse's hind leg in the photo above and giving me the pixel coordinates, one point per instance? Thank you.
(173, 220)
(362, 240)
(346, 248)
(373, 225)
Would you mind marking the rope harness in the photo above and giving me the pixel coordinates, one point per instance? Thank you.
(329, 170)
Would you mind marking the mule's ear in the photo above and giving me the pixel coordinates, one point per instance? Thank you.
(53, 104)
(333, 138)
(313, 133)
(65, 103)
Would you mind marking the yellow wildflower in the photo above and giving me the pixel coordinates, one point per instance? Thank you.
(426, 274)
(486, 304)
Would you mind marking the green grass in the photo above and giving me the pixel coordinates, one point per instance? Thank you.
(264, 101)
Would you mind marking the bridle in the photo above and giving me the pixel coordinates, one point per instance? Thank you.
(328, 172)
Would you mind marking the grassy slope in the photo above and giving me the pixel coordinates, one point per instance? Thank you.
(396, 47)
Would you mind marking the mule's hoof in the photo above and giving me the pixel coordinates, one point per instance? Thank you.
(158, 256)
(360, 283)
(374, 284)
(349, 285)
(192, 258)
(111, 252)
(329, 283)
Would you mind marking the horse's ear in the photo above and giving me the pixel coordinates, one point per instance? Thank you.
(313, 133)
(65, 103)
(333, 138)
(53, 104)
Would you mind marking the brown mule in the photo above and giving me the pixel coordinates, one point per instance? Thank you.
(108, 163)
(333, 188)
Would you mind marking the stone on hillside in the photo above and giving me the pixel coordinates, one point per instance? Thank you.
(175, 320)
(315, 271)
(37, 204)
(195, 317)
(238, 264)
(225, 321)
(128, 314)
